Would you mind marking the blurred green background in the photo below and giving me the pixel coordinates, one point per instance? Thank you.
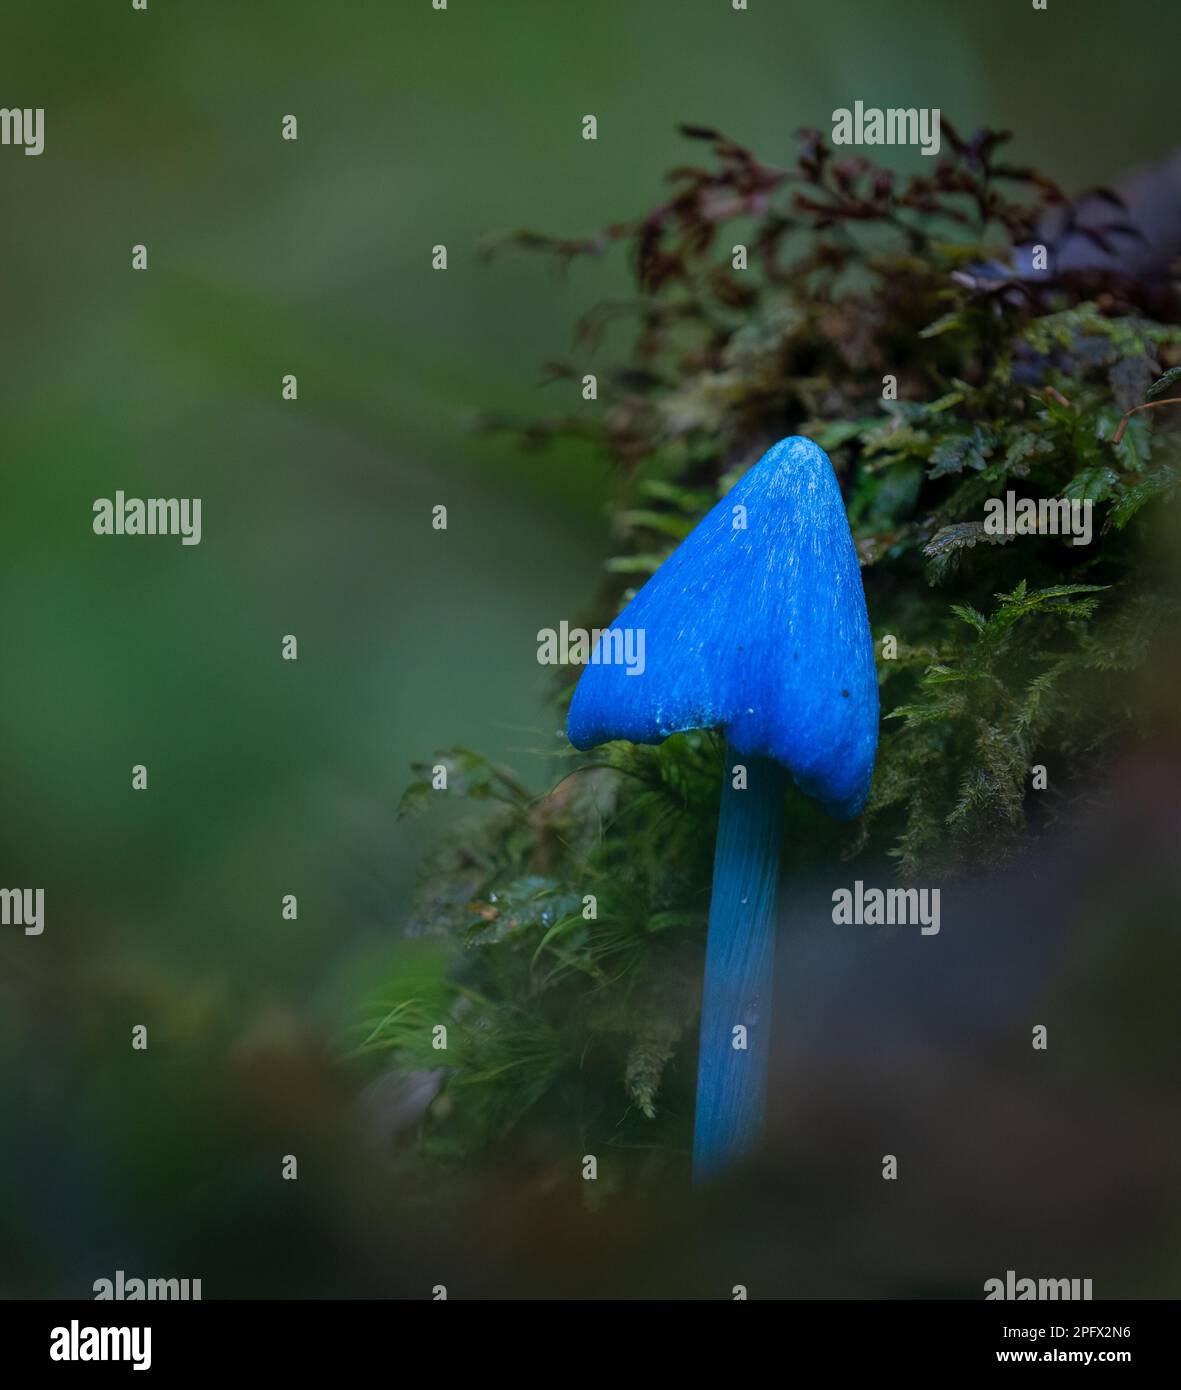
(266, 257)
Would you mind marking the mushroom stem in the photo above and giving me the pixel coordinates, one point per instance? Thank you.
(739, 959)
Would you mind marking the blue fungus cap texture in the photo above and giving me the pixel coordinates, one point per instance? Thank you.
(754, 625)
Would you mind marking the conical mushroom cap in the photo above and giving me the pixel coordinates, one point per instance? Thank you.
(757, 630)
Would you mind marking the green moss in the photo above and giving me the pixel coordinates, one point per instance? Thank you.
(1010, 651)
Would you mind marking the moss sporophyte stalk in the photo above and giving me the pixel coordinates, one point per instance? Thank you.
(878, 374)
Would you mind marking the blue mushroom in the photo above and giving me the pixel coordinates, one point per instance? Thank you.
(756, 626)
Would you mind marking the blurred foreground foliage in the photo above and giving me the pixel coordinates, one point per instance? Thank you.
(996, 653)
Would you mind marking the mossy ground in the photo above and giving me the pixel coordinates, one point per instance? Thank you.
(1008, 652)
